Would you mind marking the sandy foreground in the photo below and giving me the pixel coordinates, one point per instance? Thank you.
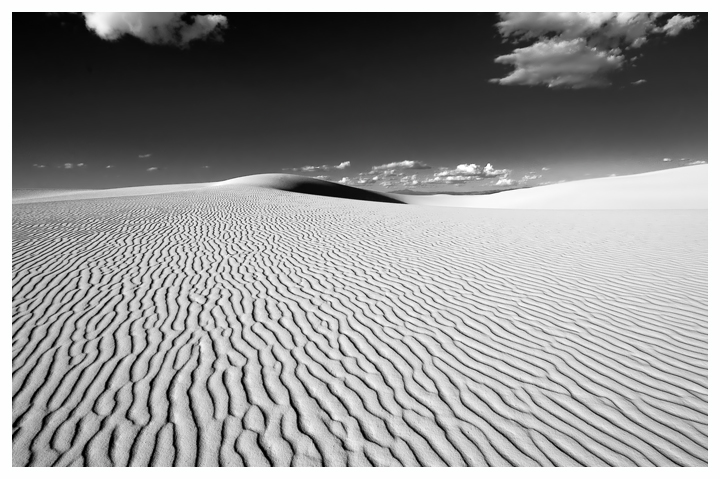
(231, 324)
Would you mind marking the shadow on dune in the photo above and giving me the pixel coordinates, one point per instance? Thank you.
(310, 186)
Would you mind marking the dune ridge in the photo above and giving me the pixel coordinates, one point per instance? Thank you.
(677, 188)
(228, 325)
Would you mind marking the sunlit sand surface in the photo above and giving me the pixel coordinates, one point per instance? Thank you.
(244, 323)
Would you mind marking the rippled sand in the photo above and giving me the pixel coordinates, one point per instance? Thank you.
(238, 325)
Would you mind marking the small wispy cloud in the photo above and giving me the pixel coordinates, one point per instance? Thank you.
(152, 168)
(38, 166)
(322, 177)
(638, 82)
(544, 168)
(146, 155)
(667, 159)
(697, 162)
(164, 28)
(109, 166)
(529, 177)
(69, 166)
(310, 168)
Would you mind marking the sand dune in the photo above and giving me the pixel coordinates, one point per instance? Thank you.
(312, 186)
(21, 194)
(677, 188)
(230, 324)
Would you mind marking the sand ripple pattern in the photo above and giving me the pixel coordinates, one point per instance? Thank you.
(246, 326)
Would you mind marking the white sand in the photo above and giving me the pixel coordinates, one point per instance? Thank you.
(677, 188)
(243, 325)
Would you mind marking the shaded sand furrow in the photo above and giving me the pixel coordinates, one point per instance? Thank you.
(242, 326)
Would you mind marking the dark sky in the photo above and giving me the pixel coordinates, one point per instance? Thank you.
(284, 91)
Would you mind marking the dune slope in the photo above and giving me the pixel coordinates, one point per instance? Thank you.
(241, 325)
(677, 188)
(312, 186)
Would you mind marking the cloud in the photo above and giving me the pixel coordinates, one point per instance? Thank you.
(677, 24)
(506, 182)
(69, 166)
(473, 171)
(146, 155)
(401, 165)
(544, 168)
(608, 29)
(205, 167)
(156, 28)
(38, 166)
(638, 82)
(667, 159)
(152, 168)
(560, 63)
(465, 173)
(322, 177)
(366, 181)
(109, 166)
(529, 177)
(391, 176)
(577, 50)
(448, 180)
(341, 166)
(698, 162)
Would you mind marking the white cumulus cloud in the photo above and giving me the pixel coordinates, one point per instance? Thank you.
(158, 28)
(667, 159)
(401, 165)
(473, 171)
(506, 182)
(152, 168)
(560, 63)
(577, 49)
(677, 24)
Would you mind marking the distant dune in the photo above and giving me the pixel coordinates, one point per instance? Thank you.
(311, 186)
(241, 323)
(280, 182)
(677, 188)
(40, 193)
